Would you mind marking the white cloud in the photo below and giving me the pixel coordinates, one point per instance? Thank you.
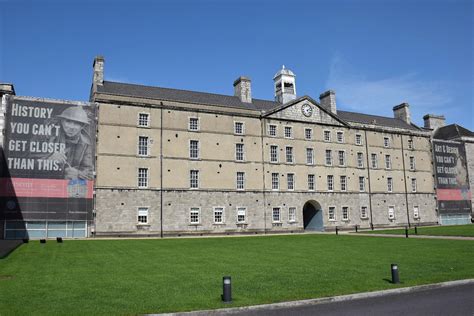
(356, 92)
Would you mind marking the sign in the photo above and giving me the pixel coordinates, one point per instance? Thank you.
(452, 183)
(47, 167)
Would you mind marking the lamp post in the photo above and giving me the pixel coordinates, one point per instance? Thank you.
(395, 278)
(226, 289)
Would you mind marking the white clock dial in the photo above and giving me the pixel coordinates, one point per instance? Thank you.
(307, 110)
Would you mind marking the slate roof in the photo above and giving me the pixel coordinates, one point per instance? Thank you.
(375, 120)
(133, 90)
(451, 132)
(148, 92)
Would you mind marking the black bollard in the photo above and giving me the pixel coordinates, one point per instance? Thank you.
(226, 289)
(395, 278)
(59, 239)
(371, 226)
(25, 240)
(416, 230)
(337, 231)
(406, 232)
(42, 241)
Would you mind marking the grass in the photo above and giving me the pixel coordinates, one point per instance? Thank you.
(127, 277)
(455, 230)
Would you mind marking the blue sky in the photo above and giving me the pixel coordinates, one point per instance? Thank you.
(374, 54)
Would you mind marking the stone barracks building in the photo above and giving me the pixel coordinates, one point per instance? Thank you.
(175, 162)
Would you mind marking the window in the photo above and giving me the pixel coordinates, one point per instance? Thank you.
(342, 157)
(391, 212)
(218, 215)
(330, 183)
(358, 139)
(275, 181)
(386, 142)
(194, 217)
(412, 163)
(292, 214)
(239, 128)
(289, 154)
(340, 137)
(361, 184)
(290, 178)
(332, 213)
(413, 185)
(288, 132)
(327, 136)
(273, 153)
(193, 124)
(363, 212)
(328, 157)
(309, 156)
(345, 213)
(416, 212)
(240, 181)
(194, 179)
(272, 130)
(343, 183)
(311, 182)
(374, 160)
(142, 215)
(389, 184)
(241, 214)
(360, 160)
(143, 119)
(308, 133)
(388, 162)
(142, 145)
(410, 143)
(194, 149)
(239, 152)
(276, 214)
(142, 177)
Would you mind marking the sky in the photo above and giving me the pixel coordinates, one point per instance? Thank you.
(374, 54)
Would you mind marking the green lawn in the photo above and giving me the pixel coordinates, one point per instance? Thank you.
(127, 277)
(455, 230)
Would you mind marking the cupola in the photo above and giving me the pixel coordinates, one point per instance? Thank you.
(285, 88)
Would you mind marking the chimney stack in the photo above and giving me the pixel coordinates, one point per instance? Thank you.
(98, 71)
(243, 89)
(434, 122)
(328, 101)
(402, 112)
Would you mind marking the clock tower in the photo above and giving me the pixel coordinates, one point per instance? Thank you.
(284, 83)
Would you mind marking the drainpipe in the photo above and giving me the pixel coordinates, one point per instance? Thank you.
(368, 176)
(263, 176)
(405, 181)
(161, 170)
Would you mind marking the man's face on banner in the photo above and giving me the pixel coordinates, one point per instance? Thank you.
(71, 128)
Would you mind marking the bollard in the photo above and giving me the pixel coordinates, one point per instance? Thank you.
(25, 240)
(371, 226)
(42, 241)
(226, 289)
(356, 228)
(406, 232)
(337, 231)
(395, 278)
(59, 239)
(416, 230)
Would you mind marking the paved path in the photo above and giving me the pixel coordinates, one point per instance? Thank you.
(411, 236)
(449, 298)
(7, 246)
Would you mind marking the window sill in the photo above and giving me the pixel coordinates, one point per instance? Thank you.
(364, 218)
(332, 220)
(218, 224)
(143, 224)
(139, 126)
(195, 224)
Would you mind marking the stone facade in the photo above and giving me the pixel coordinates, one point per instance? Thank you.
(296, 157)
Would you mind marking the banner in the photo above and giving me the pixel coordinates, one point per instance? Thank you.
(47, 167)
(452, 183)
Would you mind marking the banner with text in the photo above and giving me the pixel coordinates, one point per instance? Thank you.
(452, 183)
(47, 167)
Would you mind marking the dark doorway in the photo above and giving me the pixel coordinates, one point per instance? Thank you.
(313, 216)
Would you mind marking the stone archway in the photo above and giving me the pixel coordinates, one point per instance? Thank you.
(313, 216)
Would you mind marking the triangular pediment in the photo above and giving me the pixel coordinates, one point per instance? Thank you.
(305, 109)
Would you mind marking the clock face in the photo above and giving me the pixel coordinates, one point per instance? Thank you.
(307, 110)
